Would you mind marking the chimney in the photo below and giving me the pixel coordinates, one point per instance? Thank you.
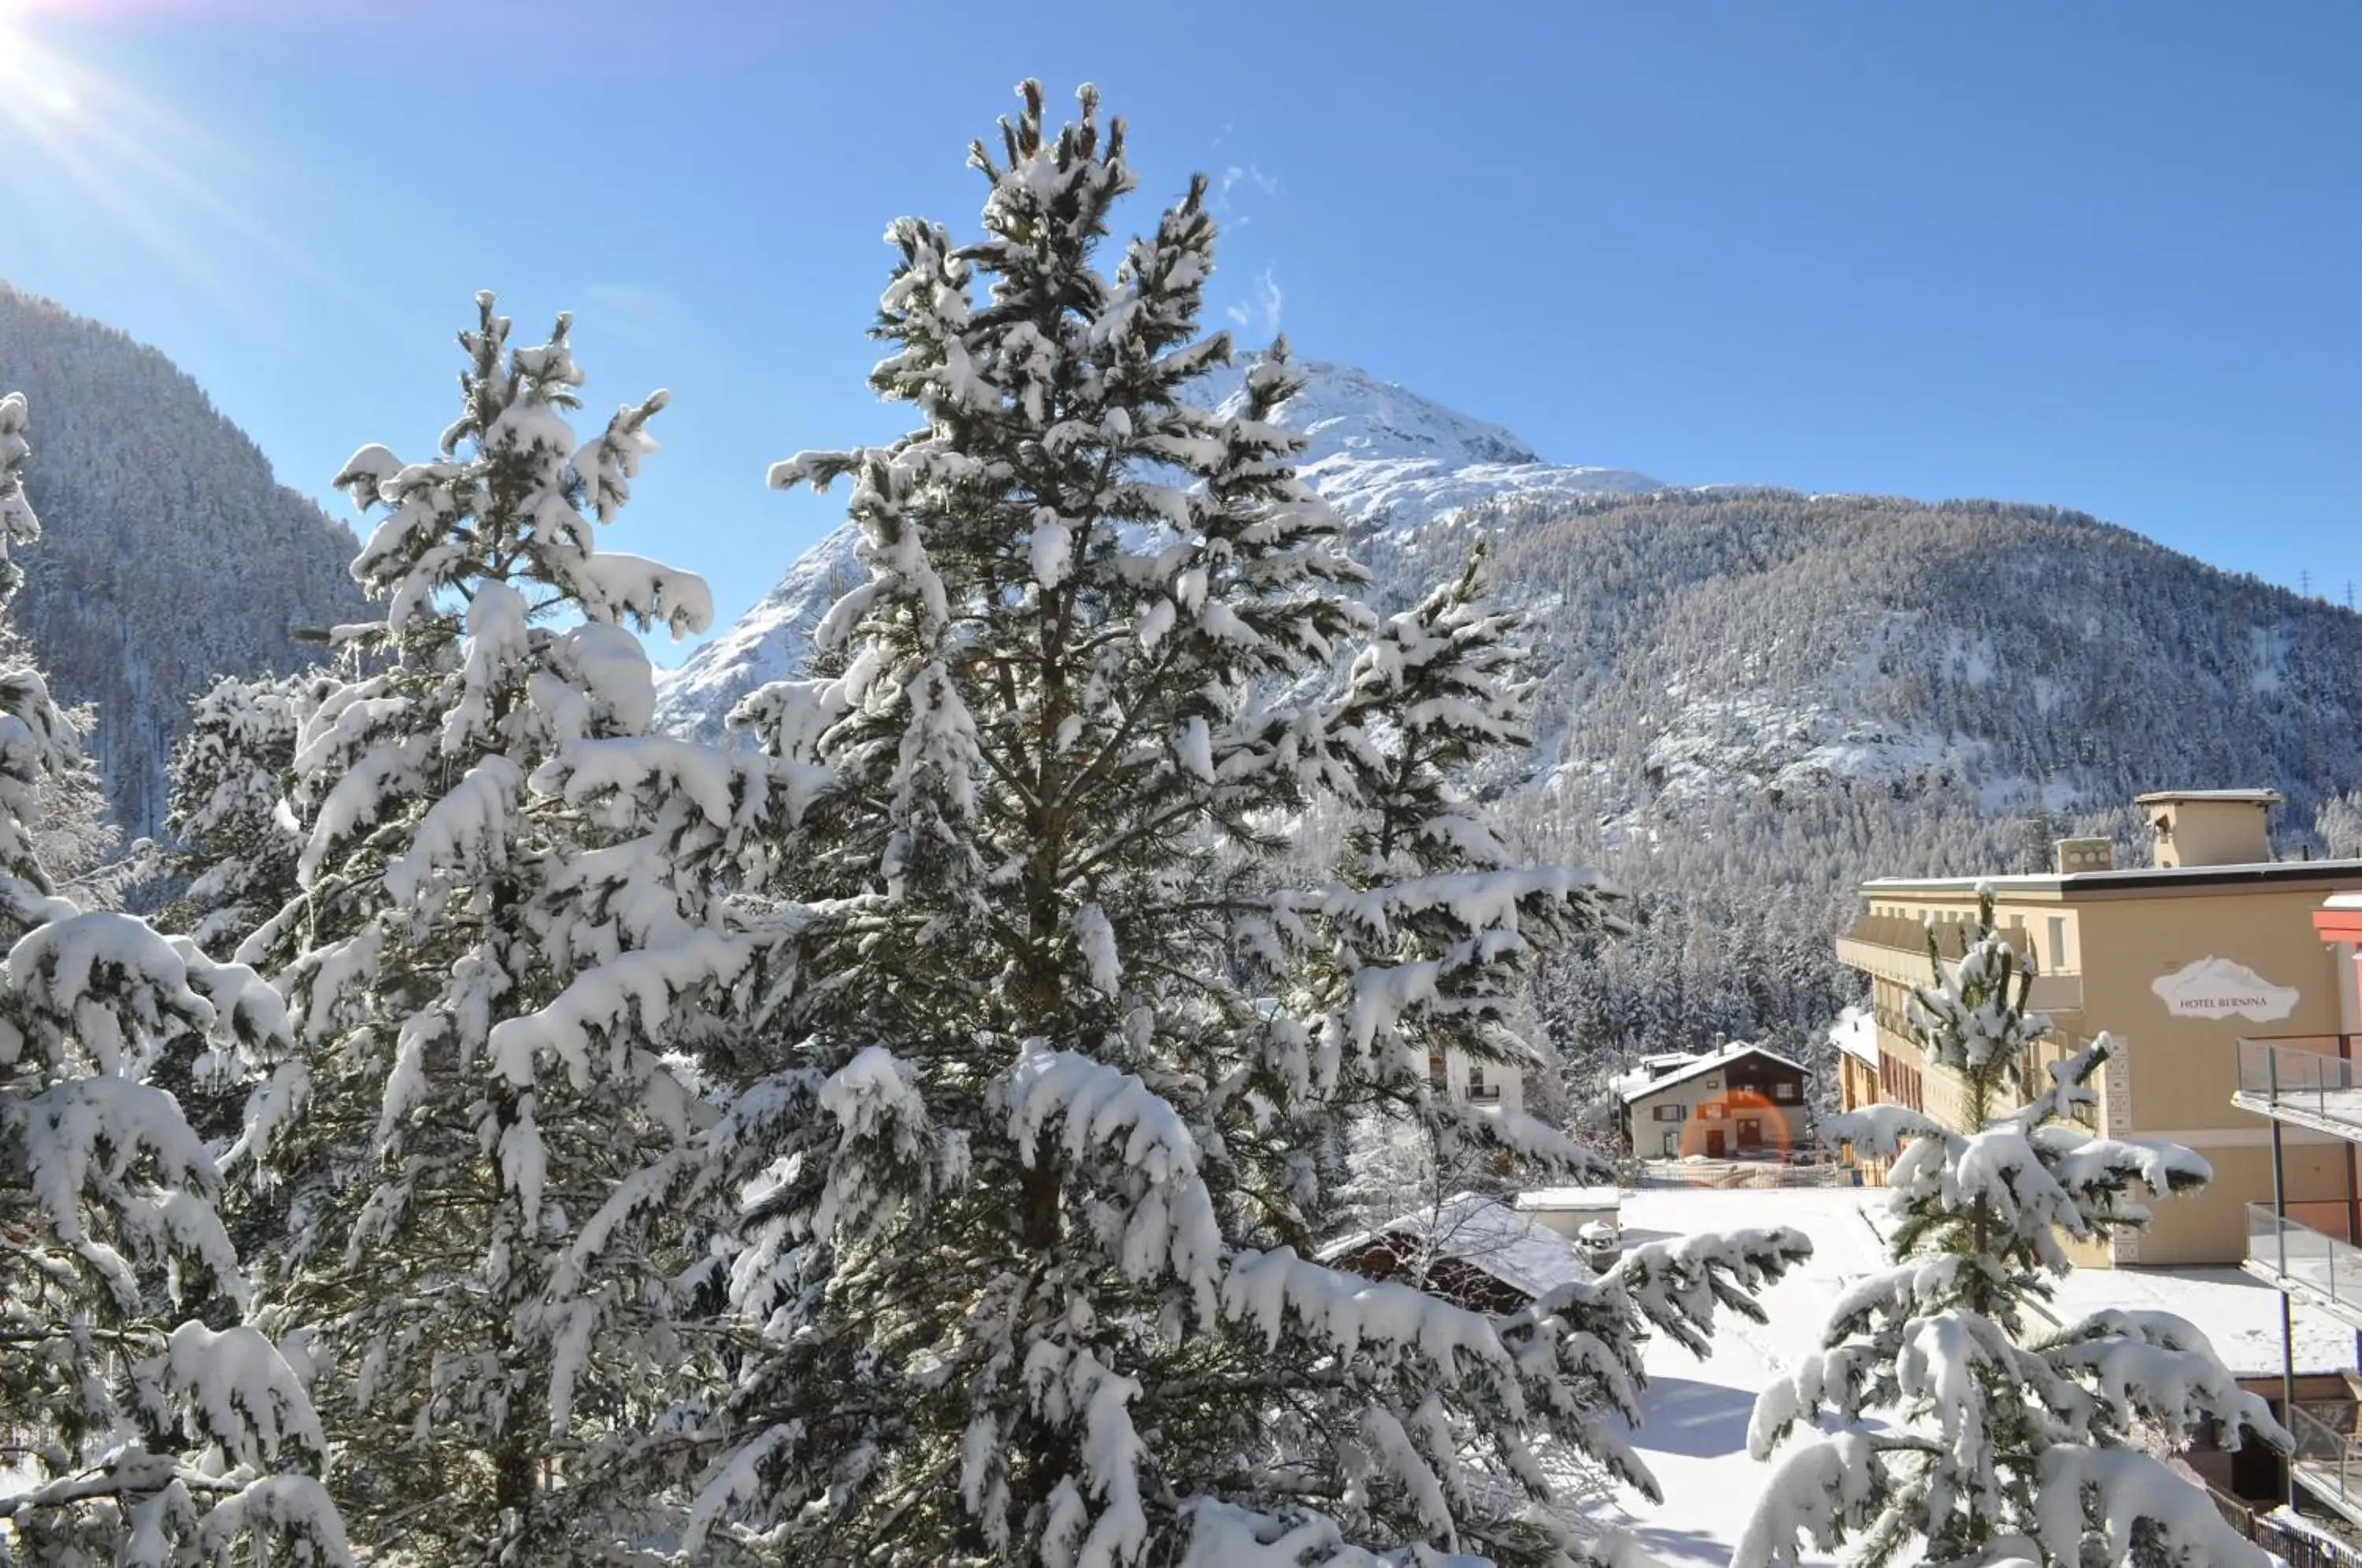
(2069, 855)
(2209, 827)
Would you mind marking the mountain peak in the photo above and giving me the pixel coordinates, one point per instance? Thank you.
(1385, 457)
(1343, 411)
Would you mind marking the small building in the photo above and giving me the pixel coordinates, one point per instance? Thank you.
(1570, 1210)
(1472, 1250)
(1741, 1101)
(1481, 1083)
(2179, 960)
(1855, 1035)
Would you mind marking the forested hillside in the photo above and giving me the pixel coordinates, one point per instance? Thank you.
(169, 553)
(1751, 699)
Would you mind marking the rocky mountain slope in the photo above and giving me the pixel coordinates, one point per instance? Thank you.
(1752, 699)
(168, 553)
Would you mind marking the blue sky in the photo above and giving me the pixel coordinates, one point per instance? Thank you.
(2102, 255)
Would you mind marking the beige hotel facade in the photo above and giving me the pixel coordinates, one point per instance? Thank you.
(2213, 943)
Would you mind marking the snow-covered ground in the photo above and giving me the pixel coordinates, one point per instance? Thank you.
(1695, 1439)
(2241, 1315)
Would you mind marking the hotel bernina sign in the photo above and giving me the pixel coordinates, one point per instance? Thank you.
(2218, 988)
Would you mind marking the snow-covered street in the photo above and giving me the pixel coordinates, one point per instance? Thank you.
(1695, 1440)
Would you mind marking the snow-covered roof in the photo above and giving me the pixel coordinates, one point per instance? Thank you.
(1856, 1033)
(2042, 882)
(2243, 797)
(1639, 1086)
(2123, 875)
(2240, 1315)
(1488, 1236)
(1543, 1197)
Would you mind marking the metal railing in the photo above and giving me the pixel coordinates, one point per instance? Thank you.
(2310, 1547)
(2328, 1457)
(2293, 1253)
(2312, 1075)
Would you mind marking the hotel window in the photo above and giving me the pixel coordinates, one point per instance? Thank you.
(1784, 1091)
(1673, 1112)
(2057, 944)
(1711, 1111)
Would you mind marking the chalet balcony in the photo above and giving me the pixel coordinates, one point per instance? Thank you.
(2312, 1265)
(1894, 947)
(2307, 1081)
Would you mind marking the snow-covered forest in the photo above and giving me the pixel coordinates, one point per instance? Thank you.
(905, 1126)
(171, 553)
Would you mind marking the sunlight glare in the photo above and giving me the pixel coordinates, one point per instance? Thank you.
(155, 174)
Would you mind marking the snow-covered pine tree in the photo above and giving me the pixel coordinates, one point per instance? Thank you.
(502, 907)
(132, 1429)
(72, 838)
(235, 843)
(73, 835)
(1999, 1441)
(1040, 1136)
(232, 867)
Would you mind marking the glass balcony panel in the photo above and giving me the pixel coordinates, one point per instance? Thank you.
(2310, 1077)
(2295, 1253)
(2328, 1453)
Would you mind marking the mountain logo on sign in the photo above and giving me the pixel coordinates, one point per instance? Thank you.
(2220, 988)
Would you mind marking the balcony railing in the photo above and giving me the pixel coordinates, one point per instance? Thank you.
(2328, 1458)
(2307, 1078)
(2294, 1256)
(1911, 935)
(1894, 947)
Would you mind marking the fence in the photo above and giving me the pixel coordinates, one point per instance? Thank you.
(1742, 1174)
(2297, 1546)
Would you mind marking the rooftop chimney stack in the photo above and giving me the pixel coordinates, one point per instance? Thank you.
(2069, 856)
(2209, 827)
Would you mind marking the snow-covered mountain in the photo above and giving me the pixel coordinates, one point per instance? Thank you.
(169, 553)
(1390, 460)
(1387, 457)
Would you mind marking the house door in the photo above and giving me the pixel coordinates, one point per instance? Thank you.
(1672, 1145)
(1750, 1132)
(1714, 1149)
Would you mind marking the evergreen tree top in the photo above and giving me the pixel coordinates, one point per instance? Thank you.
(506, 504)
